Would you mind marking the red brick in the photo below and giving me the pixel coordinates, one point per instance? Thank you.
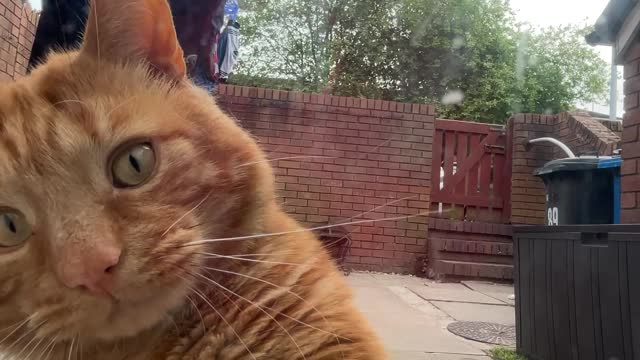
(295, 187)
(317, 218)
(630, 216)
(341, 205)
(371, 260)
(405, 240)
(630, 134)
(353, 199)
(631, 183)
(631, 118)
(628, 167)
(329, 212)
(631, 69)
(628, 200)
(319, 203)
(387, 254)
(308, 195)
(631, 101)
(383, 238)
(341, 191)
(631, 150)
(361, 252)
(633, 53)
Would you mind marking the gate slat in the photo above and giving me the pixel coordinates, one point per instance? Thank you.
(498, 174)
(485, 173)
(437, 160)
(449, 151)
(472, 178)
(461, 156)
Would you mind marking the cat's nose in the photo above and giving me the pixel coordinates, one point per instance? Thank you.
(93, 269)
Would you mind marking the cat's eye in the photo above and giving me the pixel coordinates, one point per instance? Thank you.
(14, 228)
(133, 165)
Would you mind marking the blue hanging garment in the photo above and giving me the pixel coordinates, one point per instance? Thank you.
(222, 45)
(231, 9)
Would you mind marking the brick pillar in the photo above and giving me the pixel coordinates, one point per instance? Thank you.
(527, 191)
(630, 140)
(17, 32)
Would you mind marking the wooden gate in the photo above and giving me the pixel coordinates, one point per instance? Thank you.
(475, 177)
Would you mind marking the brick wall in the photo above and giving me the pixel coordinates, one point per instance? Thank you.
(613, 125)
(363, 154)
(527, 191)
(580, 132)
(585, 135)
(630, 141)
(465, 249)
(17, 30)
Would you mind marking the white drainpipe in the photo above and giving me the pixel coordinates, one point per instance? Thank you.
(613, 87)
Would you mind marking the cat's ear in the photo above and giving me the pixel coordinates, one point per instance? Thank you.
(134, 30)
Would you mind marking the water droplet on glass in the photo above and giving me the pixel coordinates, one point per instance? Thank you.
(453, 97)
(457, 42)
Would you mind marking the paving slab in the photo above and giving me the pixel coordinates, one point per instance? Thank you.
(499, 314)
(397, 280)
(452, 292)
(406, 355)
(403, 327)
(500, 292)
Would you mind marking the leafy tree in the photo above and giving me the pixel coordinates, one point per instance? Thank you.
(421, 51)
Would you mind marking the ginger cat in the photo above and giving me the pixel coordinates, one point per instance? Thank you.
(137, 221)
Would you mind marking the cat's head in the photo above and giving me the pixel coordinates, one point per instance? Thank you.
(111, 163)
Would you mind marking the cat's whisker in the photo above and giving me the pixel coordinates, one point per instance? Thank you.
(281, 233)
(71, 349)
(19, 323)
(23, 323)
(365, 213)
(54, 344)
(263, 254)
(51, 345)
(28, 356)
(25, 335)
(212, 255)
(204, 298)
(195, 307)
(382, 144)
(296, 295)
(95, 21)
(68, 101)
(257, 307)
(25, 347)
(186, 214)
(285, 158)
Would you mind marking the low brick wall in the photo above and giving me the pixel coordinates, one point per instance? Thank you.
(362, 154)
(17, 31)
(463, 249)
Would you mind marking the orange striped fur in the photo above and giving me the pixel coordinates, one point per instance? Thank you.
(58, 129)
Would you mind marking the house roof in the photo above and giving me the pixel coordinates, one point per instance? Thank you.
(610, 21)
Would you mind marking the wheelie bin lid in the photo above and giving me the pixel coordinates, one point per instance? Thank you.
(580, 163)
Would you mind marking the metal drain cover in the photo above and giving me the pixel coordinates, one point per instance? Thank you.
(489, 333)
